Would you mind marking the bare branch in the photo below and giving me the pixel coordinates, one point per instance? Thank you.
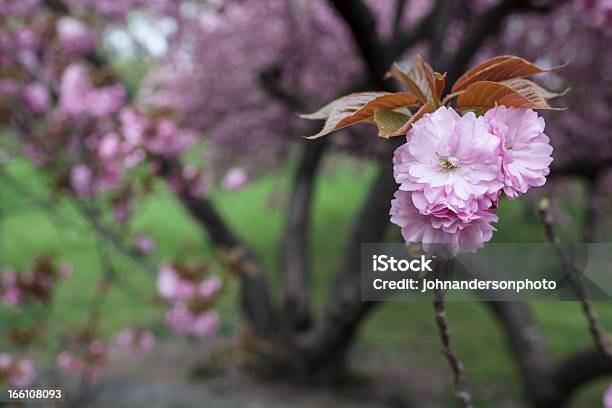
(256, 299)
(400, 6)
(595, 327)
(576, 371)
(363, 27)
(461, 391)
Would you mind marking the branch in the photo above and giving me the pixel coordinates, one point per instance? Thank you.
(345, 309)
(484, 25)
(576, 371)
(256, 299)
(270, 82)
(587, 168)
(596, 210)
(444, 13)
(528, 346)
(403, 40)
(294, 251)
(363, 27)
(294, 246)
(595, 327)
(400, 6)
(461, 391)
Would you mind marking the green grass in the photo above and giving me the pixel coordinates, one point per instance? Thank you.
(406, 329)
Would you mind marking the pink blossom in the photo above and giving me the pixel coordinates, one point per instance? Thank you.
(81, 180)
(179, 319)
(450, 159)
(146, 341)
(96, 348)
(28, 39)
(5, 361)
(36, 97)
(133, 125)
(171, 286)
(205, 324)
(442, 227)
(139, 341)
(167, 281)
(607, 398)
(525, 149)
(74, 36)
(9, 291)
(210, 286)
(194, 181)
(8, 87)
(18, 372)
(109, 146)
(122, 210)
(90, 363)
(65, 270)
(69, 362)
(234, 179)
(79, 97)
(12, 296)
(22, 374)
(171, 141)
(597, 13)
(144, 243)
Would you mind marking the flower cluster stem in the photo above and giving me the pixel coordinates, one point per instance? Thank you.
(461, 391)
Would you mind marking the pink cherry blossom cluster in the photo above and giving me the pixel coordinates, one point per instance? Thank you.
(136, 340)
(36, 285)
(191, 297)
(16, 372)
(453, 169)
(74, 36)
(89, 361)
(69, 113)
(596, 12)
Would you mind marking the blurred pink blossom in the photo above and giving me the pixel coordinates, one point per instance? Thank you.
(78, 96)
(235, 179)
(179, 319)
(205, 324)
(36, 97)
(18, 372)
(171, 286)
(66, 270)
(182, 321)
(139, 341)
(607, 397)
(74, 36)
(144, 243)
(89, 362)
(170, 141)
(81, 180)
(596, 12)
(109, 146)
(210, 287)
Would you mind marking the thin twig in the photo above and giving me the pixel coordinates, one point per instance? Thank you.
(461, 391)
(597, 331)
